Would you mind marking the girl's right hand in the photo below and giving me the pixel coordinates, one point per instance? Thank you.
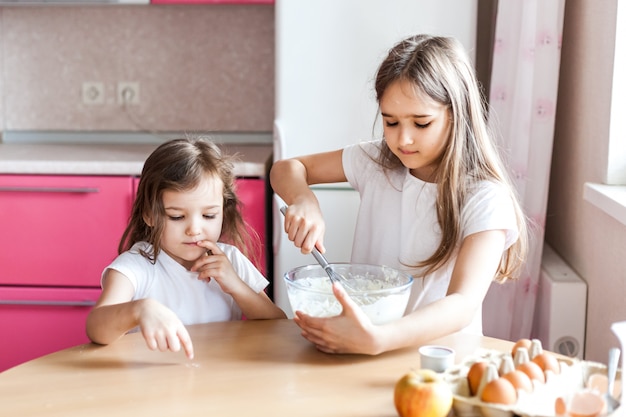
(351, 331)
(305, 227)
(162, 329)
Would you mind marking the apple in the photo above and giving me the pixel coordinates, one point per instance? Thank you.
(422, 393)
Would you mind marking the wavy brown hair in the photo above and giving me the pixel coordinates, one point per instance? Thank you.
(179, 165)
(440, 68)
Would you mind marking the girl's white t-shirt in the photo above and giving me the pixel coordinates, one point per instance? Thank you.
(397, 222)
(194, 301)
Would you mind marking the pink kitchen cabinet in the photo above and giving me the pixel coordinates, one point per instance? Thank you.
(60, 230)
(57, 233)
(212, 2)
(251, 192)
(35, 321)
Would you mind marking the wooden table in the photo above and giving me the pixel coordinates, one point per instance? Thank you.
(242, 368)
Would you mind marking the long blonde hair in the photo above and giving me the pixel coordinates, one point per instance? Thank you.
(179, 165)
(440, 68)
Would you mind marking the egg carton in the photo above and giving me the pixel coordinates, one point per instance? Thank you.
(573, 377)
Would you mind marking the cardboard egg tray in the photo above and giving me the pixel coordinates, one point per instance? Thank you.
(540, 403)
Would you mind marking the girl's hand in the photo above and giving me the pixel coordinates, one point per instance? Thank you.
(215, 264)
(162, 329)
(305, 226)
(349, 332)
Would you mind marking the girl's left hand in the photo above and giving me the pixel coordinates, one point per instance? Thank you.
(349, 332)
(216, 265)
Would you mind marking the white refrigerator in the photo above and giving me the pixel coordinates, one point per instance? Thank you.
(327, 53)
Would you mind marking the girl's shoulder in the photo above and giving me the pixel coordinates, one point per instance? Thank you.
(138, 247)
(369, 149)
(135, 254)
(362, 165)
(489, 192)
(487, 187)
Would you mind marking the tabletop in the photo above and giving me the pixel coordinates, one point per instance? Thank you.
(241, 368)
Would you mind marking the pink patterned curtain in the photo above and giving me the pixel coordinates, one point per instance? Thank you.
(523, 95)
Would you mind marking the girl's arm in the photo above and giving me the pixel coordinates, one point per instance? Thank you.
(473, 273)
(352, 332)
(256, 306)
(290, 179)
(115, 314)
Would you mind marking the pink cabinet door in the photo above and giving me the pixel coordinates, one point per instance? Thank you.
(60, 230)
(38, 321)
(212, 1)
(251, 192)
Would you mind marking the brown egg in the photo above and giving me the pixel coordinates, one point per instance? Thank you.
(547, 362)
(475, 375)
(532, 370)
(521, 343)
(499, 391)
(520, 380)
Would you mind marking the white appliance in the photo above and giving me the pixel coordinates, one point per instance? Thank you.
(327, 53)
(561, 310)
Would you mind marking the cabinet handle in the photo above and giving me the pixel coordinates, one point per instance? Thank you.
(84, 303)
(77, 190)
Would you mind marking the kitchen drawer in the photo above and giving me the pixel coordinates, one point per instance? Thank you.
(60, 230)
(38, 321)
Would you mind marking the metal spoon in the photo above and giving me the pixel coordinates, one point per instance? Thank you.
(611, 402)
(321, 259)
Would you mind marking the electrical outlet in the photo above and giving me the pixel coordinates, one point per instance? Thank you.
(127, 92)
(92, 92)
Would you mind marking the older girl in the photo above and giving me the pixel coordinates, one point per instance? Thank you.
(435, 201)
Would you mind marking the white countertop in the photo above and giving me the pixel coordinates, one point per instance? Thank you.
(110, 159)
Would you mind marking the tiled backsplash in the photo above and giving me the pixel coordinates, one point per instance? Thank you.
(199, 68)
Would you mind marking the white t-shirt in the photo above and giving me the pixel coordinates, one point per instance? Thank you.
(194, 301)
(397, 222)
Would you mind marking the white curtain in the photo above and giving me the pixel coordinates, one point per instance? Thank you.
(523, 93)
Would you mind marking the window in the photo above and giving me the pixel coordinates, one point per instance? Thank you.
(611, 196)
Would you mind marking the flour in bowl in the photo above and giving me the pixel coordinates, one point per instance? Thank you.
(313, 296)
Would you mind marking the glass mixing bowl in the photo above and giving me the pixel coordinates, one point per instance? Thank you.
(381, 292)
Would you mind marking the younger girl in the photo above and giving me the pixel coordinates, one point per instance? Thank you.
(174, 267)
(435, 201)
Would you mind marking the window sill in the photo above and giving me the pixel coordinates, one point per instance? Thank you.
(609, 198)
